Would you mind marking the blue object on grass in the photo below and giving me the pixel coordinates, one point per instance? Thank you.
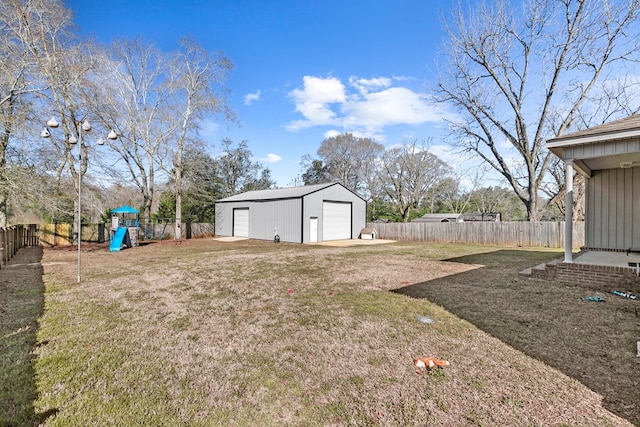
(118, 238)
(595, 299)
(625, 294)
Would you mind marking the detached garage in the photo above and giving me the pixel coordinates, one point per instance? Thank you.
(313, 213)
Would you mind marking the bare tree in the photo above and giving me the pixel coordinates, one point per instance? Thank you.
(497, 199)
(517, 77)
(237, 172)
(408, 174)
(63, 67)
(351, 160)
(133, 99)
(454, 199)
(19, 78)
(158, 102)
(554, 190)
(198, 92)
(315, 171)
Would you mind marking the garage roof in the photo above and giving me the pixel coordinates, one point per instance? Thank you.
(277, 193)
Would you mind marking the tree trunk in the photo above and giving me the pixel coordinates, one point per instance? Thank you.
(178, 233)
(178, 182)
(4, 193)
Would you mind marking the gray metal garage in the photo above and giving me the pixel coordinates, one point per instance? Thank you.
(313, 213)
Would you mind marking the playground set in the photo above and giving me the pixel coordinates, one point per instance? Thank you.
(125, 222)
(126, 230)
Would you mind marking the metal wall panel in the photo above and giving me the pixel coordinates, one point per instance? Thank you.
(224, 219)
(264, 218)
(611, 222)
(280, 217)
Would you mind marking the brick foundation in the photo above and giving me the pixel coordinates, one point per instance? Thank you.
(586, 274)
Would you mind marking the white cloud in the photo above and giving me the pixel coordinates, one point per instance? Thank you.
(364, 106)
(250, 98)
(331, 133)
(271, 158)
(391, 106)
(314, 101)
(366, 85)
(334, 132)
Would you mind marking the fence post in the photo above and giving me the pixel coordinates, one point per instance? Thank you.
(5, 246)
(2, 249)
(12, 238)
(20, 236)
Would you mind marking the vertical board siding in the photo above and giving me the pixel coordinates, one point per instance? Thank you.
(634, 191)
(528, 234)
(613, 224)
(628, 207)
(265, 217)
(619, 208)
(224, 218)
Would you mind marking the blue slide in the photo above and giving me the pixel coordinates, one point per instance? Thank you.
(116, 242)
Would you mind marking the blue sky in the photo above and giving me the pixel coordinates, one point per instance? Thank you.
(303, 70)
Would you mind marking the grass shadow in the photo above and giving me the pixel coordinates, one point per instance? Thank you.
(21, 305)
(592, 342)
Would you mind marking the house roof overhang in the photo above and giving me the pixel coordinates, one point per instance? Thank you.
(608, 146)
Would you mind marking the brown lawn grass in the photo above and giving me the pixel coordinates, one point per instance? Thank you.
(207, 333)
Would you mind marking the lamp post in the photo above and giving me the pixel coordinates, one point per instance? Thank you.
(80, 127)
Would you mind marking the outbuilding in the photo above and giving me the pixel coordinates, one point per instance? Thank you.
(312, 213)
(440, 217)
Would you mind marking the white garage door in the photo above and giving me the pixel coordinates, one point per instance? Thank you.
(336, 221)
(241, 222)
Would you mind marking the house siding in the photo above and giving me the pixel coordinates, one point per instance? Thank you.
(608, 148)
(612, 223)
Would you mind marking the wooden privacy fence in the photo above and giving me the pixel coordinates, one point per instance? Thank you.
(531, 234)
(56, 234)
(62, 234)
(16, 237)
